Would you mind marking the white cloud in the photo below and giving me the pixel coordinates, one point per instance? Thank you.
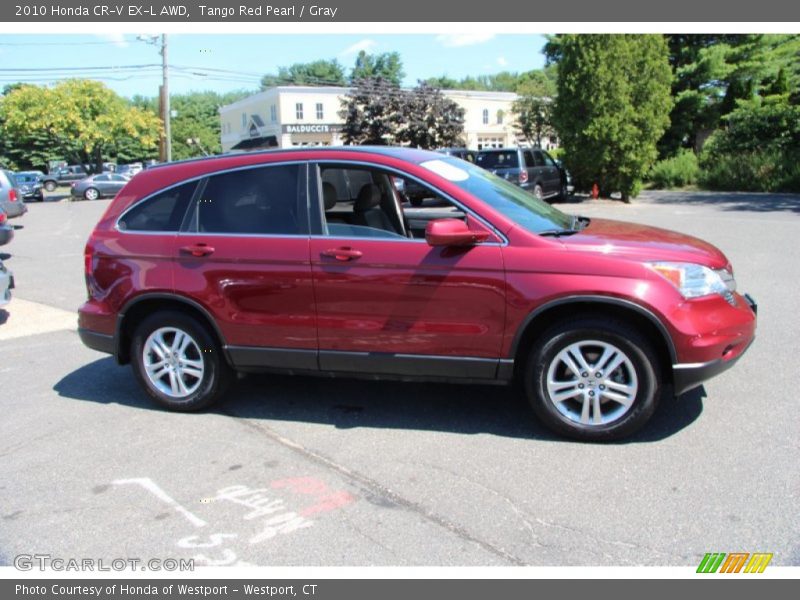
(365, 44)
(458, 40)
(116, 38)
(501, 60)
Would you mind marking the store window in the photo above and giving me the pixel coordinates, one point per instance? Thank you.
(320, 112)
(298, 108)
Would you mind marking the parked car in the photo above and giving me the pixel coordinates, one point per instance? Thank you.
(6, 284)
(64, 176)
(462, 153)
(532, 169)
(6, 231)
(129, 170)
(30, 184)
(11, 195)
(304, 261)
(98, 186)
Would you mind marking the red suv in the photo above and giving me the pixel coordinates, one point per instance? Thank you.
(312, 261)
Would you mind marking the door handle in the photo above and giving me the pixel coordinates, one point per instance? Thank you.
(200, 249)
(343, 254)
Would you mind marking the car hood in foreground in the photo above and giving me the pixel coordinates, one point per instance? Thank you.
(643, 242)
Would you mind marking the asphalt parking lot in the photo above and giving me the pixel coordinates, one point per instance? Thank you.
(307, 471)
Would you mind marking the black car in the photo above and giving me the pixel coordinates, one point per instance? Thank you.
(30, 184)
(533, 169)
(64, 176)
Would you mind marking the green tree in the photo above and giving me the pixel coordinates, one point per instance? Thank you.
(318, 72)
(387, 66)
(612, 106)
(82, 120)
(714, 72)
(534, 117)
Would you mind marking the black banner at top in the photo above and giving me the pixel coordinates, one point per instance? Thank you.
(586, 11)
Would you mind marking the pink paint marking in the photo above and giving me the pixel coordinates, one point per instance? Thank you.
(327, 500)
(329, 503)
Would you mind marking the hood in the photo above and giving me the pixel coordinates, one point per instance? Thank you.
(642, 242)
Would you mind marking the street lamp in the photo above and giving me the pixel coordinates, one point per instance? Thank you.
(161, 43)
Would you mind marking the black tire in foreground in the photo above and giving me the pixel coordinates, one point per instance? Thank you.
(178, 361)
(593, 379)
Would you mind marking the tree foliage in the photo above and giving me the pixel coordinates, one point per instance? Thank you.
(714, 72)
(538, 82)
(318, 72)
(612, 106)
(78, 120)
(377, 112)
(386, 65)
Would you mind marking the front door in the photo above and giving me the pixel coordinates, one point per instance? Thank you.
(387, 302)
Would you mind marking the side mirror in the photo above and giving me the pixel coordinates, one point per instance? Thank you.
(452, 232)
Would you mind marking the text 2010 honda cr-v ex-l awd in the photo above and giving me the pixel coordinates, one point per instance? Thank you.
(312, 261)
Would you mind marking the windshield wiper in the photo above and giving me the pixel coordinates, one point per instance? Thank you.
(557, 232)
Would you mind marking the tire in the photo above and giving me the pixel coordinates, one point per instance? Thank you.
(198, 392)
(538, 192)
(563, 195)
(626, 397)
(91, 194)
(50, 186)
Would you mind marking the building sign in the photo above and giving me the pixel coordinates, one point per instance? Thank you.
(319, 128)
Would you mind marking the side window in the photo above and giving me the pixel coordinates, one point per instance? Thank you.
(538, 158)
(373, 203)
(548, 161)
(529, 160)
(101, 178)
(251, 201)
(162, 212)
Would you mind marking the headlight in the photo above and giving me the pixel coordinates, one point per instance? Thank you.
(694, 281)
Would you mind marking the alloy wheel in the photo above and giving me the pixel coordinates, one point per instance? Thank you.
(173, 362)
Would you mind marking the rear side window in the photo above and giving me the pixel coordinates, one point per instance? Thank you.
(498, 160)
(162, 212)
(252, 201)
(539, 159)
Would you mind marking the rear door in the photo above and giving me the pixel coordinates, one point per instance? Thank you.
(243, 253)
(551, 176)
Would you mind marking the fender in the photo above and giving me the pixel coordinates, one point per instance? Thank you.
(597, 299)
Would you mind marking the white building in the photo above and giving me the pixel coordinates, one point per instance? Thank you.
(309, 116)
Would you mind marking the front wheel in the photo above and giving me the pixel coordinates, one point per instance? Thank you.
(50, 186)
(593, 379)
(178, 362)
(91, 194)
(538, 192)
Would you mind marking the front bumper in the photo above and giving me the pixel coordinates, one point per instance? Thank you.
(687, 376)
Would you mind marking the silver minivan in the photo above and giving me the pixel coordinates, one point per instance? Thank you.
(11, 195)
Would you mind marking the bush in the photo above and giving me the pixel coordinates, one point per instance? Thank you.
(768, 170)
(678, 171)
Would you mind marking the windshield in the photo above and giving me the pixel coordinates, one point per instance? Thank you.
(26, 177)
(511, 201)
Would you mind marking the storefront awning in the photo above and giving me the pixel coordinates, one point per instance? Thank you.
(255, 143)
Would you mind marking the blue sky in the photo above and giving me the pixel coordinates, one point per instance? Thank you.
(456, 55)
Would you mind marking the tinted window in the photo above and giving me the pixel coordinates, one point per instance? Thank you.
(539, 158)
(498, 160)
(101, 178)
(547, 160)
(529, 160)
(163, 212)
(119, 178)
(254, 201)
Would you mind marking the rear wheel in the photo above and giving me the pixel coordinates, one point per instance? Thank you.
(178, 362)
(50, 186)
(593, 379)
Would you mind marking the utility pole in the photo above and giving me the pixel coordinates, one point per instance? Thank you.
(167, 112)
(165, 152)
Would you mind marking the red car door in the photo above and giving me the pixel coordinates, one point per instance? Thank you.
(390, 303)
(244, 253)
